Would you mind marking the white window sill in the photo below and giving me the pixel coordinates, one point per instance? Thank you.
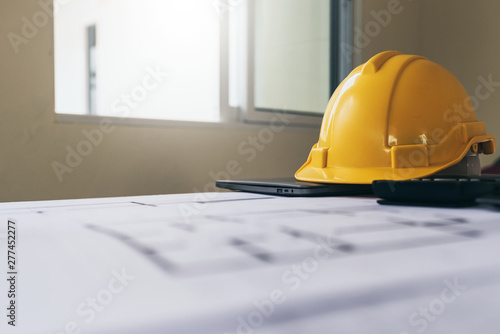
(161, 123)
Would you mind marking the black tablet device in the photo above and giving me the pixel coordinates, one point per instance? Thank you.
(438, 190)
(292, 187)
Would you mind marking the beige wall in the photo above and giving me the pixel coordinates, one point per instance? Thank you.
(459, 34)
(463, 35)
(401, 32)
(132, 160)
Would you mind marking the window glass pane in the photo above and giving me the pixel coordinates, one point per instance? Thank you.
(151, 59)
(292, 55)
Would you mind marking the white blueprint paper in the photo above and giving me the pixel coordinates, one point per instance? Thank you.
(245, 263)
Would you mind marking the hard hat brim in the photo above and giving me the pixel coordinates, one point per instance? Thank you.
(357, 175)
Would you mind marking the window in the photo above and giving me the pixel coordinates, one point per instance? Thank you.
(197, 60)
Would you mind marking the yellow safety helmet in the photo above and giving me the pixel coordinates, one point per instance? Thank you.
(396, 117)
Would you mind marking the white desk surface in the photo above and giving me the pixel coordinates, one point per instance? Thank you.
(246, 263)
